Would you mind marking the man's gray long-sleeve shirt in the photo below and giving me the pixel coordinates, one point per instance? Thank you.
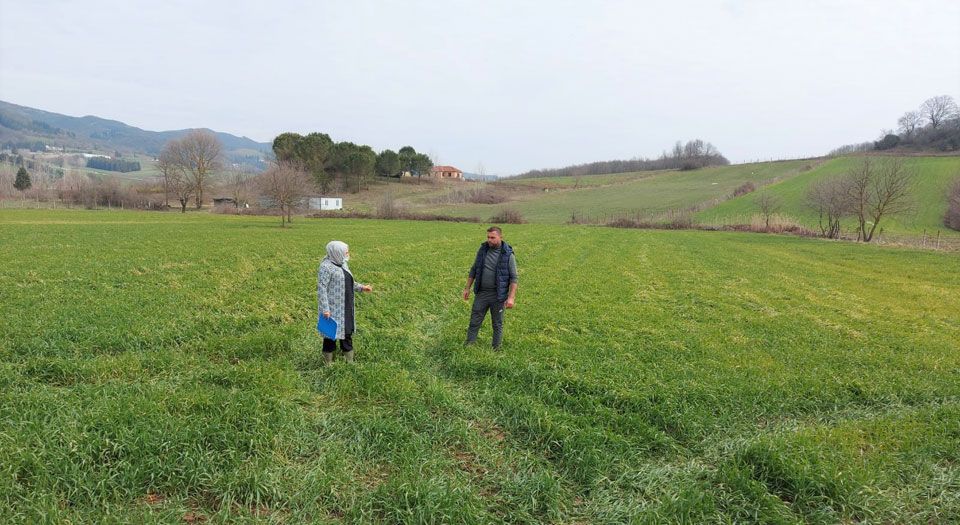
(488, 277)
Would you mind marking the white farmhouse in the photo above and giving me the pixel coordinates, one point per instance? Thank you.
(326, 203)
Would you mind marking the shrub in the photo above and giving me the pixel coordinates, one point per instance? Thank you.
(889, 141)
(479, 193)
(508, 216)
(672, 220)
(745, 188)
(952, 217)
(389, 208)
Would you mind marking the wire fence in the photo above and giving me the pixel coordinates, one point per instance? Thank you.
(928, 240)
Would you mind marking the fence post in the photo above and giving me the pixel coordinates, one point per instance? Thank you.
(938, 239)
(923, 243)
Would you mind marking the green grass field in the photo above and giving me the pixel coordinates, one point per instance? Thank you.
(934, 176)
(159, 368)
(644, 192)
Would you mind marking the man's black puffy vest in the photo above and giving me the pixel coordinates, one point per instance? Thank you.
(503, 269)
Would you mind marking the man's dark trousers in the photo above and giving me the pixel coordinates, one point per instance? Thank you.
(486, 300)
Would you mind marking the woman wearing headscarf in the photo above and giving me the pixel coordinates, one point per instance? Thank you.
(335, 295)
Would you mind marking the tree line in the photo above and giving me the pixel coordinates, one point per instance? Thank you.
(933, 126)
(121, 165)
(346, 164)
(31, 145)
(693, 155)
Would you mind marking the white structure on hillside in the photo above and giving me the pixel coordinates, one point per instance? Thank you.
(326, 203)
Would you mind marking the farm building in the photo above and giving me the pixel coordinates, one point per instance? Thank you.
(446, 172)
(326, 203)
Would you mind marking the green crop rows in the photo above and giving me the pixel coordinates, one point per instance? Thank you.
(162, 368)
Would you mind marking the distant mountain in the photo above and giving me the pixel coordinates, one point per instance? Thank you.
(25, 127)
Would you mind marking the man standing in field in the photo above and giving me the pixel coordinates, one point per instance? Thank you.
(493, 278)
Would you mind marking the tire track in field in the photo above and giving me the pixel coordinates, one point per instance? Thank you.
(571, 423)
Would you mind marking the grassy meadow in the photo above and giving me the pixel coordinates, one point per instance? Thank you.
(934, 176)
(598, 196)
(160, 368)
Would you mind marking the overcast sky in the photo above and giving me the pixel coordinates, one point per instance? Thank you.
(515, 85)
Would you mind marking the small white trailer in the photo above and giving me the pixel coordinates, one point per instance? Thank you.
(326, 203)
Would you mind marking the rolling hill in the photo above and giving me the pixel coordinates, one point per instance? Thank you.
(557, 199)
(24, 127)
(934, 174)
(707, 194)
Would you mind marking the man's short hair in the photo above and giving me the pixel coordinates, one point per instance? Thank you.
(495, 229)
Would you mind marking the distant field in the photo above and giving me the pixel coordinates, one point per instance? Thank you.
(586, 181)
(934, 177)
(646, 377)
(643, 192)
(148, 170)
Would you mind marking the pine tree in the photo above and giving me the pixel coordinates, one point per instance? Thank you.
(23, 180)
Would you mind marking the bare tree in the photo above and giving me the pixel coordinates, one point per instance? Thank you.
(938, 109)
(878, 189)
(769, 205)
(6, 181)
(677, 152)
(182, 186)
(286, 184)
(831, 200)
(909, 123)
(239, 185)
(198, 155)
(167, 163)
(73, 187)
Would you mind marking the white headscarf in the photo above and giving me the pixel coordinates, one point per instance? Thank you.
(337, 253)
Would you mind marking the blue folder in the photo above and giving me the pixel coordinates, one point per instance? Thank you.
(327, 327)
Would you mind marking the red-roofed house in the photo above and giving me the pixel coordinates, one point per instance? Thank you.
(446, 172)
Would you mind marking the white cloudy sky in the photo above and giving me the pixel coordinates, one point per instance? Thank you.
(515, 85)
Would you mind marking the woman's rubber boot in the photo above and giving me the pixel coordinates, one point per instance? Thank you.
(327, 358)
(348, 356)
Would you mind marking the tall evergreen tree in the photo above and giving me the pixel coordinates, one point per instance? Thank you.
(388, 163)
(22, 182)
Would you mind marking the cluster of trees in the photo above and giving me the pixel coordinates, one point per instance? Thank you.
(103, 163)
(78, 188)
(13, 158)
(873, 189)
(394, 164)
(32, 145)
(692, 155)
(187, 166)
(345, 164)
(934, 126)
(13, 122)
